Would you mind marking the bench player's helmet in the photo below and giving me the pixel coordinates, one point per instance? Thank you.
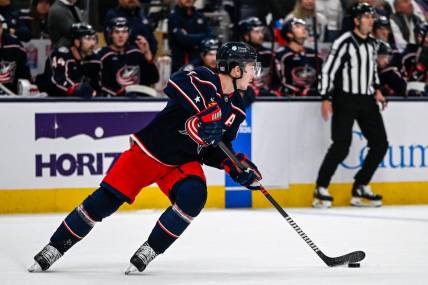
(384, 48)
(120, 23)
(288, 27)
(382, 21)
(362, 8)
(210, 44)
(234, 54)
(248, 24)
(80, 30)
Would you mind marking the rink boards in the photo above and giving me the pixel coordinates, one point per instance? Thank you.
(53, 154)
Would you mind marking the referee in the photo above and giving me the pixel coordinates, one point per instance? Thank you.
(350, 89)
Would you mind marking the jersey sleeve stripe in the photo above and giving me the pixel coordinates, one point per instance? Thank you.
(172, 83)
(204, 82)
(199, 92)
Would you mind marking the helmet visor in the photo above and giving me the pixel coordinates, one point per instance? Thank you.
(255, 67)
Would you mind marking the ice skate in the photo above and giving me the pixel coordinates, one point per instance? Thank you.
(44, 259)
(362, 196)
(141, 258)
(322, 199)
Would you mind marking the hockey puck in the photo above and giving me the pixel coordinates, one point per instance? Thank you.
(354, 265)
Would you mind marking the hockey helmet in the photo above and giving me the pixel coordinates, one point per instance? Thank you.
(210, 44)
(117, 23)
(248, 24)
(234, 54)
(384, 48)
(381, 21)
(288, 27)
(362, 8)
(80, 30)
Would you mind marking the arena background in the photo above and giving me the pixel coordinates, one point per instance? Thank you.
(55, 152)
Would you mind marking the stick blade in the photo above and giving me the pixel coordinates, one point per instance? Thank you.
(353, 257)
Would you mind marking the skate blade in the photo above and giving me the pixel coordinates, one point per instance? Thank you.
(131, 269)
(361, 202)
(319, 204)
(35, 268)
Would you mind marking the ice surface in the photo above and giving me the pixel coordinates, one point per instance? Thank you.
(229, 247)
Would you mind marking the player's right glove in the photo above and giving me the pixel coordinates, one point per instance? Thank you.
(245, 177)
(206, 127)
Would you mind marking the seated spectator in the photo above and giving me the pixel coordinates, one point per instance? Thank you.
(305, 10)
(139, 25)
(13, 60)
(414, 63)
(252, 31)
(403, 22)
(298, 66)
(332, 10)
(36, 18)
(392, 82)
(73, 70)
(123, 63)
(209, 47)
(62, 15)
(186, 30)
(11, 21)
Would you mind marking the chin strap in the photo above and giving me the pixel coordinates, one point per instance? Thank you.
(235, 86)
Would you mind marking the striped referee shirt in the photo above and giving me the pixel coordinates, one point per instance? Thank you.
(351, 67)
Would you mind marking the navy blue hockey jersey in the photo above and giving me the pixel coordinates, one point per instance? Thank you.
(189, 93)
(13, 62)
(63, 73)
(298, 71)
(121, 69)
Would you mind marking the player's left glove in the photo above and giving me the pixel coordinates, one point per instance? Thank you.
(247, 177)
(206, 127)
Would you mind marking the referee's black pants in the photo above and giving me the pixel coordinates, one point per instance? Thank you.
(347, 109)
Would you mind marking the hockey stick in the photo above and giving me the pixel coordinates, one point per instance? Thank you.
(141, 89)
(352, 257)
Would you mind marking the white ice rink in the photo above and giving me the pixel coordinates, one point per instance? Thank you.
(230, 247)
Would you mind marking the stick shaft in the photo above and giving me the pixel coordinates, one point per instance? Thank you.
(274, 203)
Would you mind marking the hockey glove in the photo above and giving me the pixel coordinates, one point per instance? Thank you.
(206, 127)
(84, 90)
(244, 177)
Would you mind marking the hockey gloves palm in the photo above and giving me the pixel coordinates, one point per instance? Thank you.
(206, 127)
(244, 177)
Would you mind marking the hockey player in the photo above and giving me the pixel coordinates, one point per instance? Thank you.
(392, 82)
(73, 70)
(298, 66)
(209, 47)
(350, 89)
(204, 108)
(252, 31)
(13, 60)
(414, 63)
(124, 63)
